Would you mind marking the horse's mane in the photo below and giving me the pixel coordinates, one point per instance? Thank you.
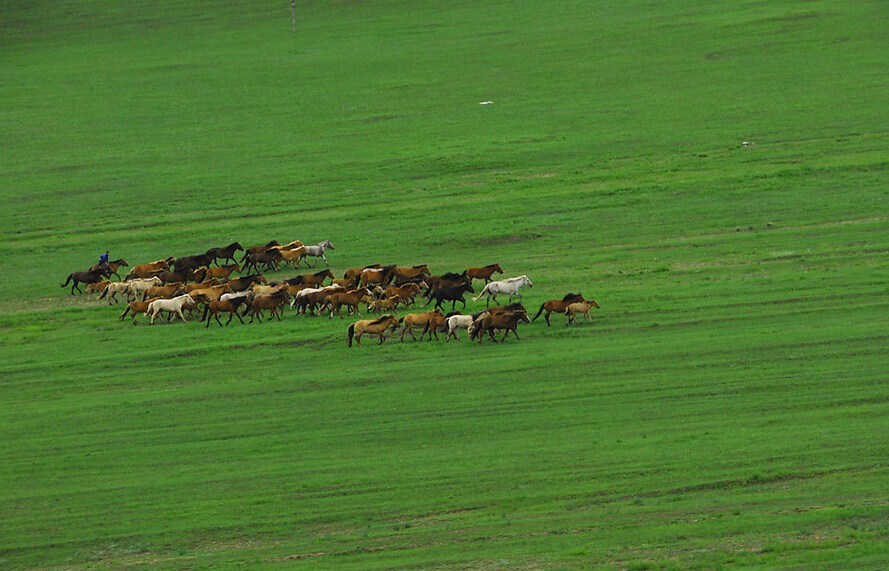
(571, 296)
(453, 313)
(450, 276)
(321, 272)
(491, 265)
(420, 266)
(380, 320)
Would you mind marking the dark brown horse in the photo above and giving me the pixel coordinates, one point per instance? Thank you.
(244, 282)
(258, 249)
(112, 267)
(376, 326)
(272, 302)
(193, 262)
(488, 322)
(483, 273)
(314, 280)
(230, 306)
(87, 277)
(406, 274)
(269, 260)
(558, 305)
(226, 254)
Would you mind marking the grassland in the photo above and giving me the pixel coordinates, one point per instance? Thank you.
(727, 407)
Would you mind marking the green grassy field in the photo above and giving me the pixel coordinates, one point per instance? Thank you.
(728, 406)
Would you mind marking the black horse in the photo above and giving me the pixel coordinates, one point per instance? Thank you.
(452, 293)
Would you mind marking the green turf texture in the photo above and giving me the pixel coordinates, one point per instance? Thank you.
(727, 407)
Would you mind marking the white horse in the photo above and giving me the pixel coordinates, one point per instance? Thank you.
(171, 306)
(508, 286)
(317, 251)
(456, 322)
(139, 287)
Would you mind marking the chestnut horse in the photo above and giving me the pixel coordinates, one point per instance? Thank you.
(431, 321)
(352, 299)
(558, 305)
(483, 273)
(376, 326)
(406, 274)
(222, 272)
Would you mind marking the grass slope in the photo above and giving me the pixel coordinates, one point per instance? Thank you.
(726, 408)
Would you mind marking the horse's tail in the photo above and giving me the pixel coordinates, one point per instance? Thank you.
(104, 292)
(70, 277)
(542, 307)
(351, 334)
(484, 291)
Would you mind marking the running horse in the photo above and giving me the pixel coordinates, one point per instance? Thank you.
(376, 326)
(87, 277)
(558, 305)
(483, 273)
(317, 251)
(226, 254)
(112, 267)
(508, 286)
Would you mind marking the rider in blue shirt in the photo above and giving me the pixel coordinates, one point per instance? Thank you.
(103, 261)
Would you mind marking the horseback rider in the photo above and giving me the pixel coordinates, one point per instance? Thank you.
(103, 262)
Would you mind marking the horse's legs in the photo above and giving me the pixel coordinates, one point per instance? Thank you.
(548, 324)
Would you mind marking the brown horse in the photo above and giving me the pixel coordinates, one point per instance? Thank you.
(488, 322)
(112, 267)
(377, 276)
(230, 306)
(202, 285)
(293, 257)
(355, 273)
(244, 282)
(558, 305)
(483, 273)
(582, 308)
(389, 304)
(272, 302)
(166, 291)
(406, 274)
(407, 293)
(270, 260)
(313, 280)
(225, 254)
(147, 270)
(222, 272)
(135, 308)
(97, 287)
(375, 326)
(87, 277)
(352, 299)
(258, 249)
(430, 321)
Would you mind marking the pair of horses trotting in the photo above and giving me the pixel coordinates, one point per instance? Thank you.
(570, 305)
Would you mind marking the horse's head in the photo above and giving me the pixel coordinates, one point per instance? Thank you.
(122, 262)
(468, 287)
(527, 281)
(523, 316)
(327, 245)
(594, 303)
(498, 269)
(236, 246)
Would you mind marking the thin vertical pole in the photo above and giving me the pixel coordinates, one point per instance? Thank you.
(293, 13)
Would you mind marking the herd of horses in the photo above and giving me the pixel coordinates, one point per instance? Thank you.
(203, 284)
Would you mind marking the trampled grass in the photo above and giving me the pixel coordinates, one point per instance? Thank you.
(726, 408)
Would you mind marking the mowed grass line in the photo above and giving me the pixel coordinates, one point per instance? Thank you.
(725, 407)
